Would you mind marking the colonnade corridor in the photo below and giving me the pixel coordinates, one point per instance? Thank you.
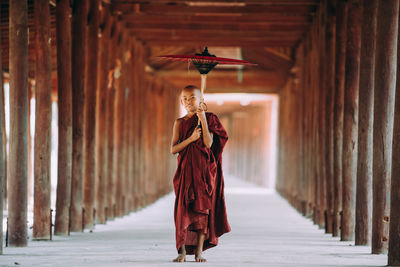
(321, 127)
(266, 231)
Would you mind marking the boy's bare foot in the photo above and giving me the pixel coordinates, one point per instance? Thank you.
(180, 258)
(199, 258)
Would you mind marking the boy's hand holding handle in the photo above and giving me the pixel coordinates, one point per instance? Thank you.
(195, 135)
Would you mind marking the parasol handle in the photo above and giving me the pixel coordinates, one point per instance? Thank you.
(202, 89)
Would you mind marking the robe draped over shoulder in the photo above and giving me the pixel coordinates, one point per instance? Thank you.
(199, 187)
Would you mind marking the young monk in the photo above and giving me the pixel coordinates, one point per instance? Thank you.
(199, 213)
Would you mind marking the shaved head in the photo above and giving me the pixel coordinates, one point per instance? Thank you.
(191, 88)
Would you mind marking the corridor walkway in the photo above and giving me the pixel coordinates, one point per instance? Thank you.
(266, 231)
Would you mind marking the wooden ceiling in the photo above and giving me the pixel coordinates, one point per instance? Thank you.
(264, 32)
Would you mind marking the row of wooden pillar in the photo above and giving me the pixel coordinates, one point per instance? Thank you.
(250, 152)
(339, 125)
(113, 148)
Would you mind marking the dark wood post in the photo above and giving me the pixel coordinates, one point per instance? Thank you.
(340, 47)
(127, 91)
(135, 130)
(110, 150)
(30, 126)
(2, 153)
(4, 137)
(315, 87)
(17, 164)
(78, 32)
(321, 117)
(64, 79)
(128, 125)
(350, 123)
(113, 75)
(394, 224)
(132, 129)
(89, 143)
(42, 150)
(365, 126)
(101, 141)
(118, 129)
(140, 138)
(307, 105)
(384, 93)
(329, 107)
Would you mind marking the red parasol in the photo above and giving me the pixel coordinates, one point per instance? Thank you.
(204, 63)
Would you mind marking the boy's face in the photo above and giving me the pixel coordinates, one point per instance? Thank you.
(190, 99)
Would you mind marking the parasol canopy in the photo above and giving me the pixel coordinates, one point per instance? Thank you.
(204, 63)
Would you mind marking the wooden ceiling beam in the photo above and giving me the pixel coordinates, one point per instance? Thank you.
(251, 2)
(183, 9)
(254, 18)
(213, 33)
(225, 35)
(221, 42)
(266, 59)
(209, 26)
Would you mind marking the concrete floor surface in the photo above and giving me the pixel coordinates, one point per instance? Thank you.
(266, 231)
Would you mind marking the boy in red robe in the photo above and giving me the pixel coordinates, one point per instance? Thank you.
(199, 213)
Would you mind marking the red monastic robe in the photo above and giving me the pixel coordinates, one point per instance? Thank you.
(199, 187)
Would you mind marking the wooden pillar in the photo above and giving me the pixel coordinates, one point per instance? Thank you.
(3, 149)
(78, 33)
(340, 47)
(307, 105)
(133, 130)
(63, 31)
(89, 143)
(394, 227)
(127, 90)
(330, 90)
(101, 141)
(365, 126)
(113, 77)
(350, 123)
(321, 117)
(30, 137)
(42, 150)
(315, 148)
(135, 115)
(17, 164)
(131, 127)
(384, 93)
(118, 131)
(139, 129)
(110, 150)
(4, 137)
